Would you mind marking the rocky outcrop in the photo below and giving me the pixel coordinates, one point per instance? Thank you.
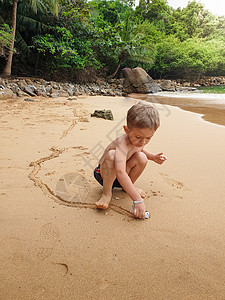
(39, 87)
(137, 80)
(183, 85)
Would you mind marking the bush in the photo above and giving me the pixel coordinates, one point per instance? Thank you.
(189, 59)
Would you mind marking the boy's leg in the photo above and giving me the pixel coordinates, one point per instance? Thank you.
(108, 174)
(135, 166)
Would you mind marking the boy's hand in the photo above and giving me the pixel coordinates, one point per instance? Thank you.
(139, 210)
(159, 158)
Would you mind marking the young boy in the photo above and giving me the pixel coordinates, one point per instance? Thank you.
(125, 158)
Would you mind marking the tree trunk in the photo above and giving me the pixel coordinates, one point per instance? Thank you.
(8, 67)
(36, 63)
(114, 74)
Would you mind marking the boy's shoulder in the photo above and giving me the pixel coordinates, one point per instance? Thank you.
(124, 143)
(122, 140)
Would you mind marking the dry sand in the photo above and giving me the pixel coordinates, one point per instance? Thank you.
(55, 245)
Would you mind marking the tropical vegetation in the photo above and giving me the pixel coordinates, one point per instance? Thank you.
(79, 39)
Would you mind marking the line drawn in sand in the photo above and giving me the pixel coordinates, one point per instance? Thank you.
(71, 189)
(81, 117)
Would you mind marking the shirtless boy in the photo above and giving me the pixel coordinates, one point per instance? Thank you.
(125, 158)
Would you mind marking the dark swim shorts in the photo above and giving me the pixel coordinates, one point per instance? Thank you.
(98, 177)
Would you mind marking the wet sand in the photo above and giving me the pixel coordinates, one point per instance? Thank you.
(56, 245)
(211, 108)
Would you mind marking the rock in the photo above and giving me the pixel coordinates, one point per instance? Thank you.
(105, 114)
(20, 93)
(186, 89)
(54, 85)
(14, 87)
(28, 81)
(29, 89)
(186, 84)
(29, 99)
(55, 94)
(70, 91)
(168, 85)
(72, 98)
(6, 94)
(2, 82)
(40, 93)
(137, 80)
(21, 83)
(95, 89)
(44, 82)
(49, 89)
(62, 94)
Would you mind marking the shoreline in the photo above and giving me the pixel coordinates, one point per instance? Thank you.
(212, 110)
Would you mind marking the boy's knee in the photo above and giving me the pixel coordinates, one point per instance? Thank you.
(110, 156)
(141, 158)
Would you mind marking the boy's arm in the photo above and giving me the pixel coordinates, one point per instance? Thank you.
(125, 181)
(159, 158)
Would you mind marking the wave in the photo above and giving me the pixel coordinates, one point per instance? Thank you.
(195, 94)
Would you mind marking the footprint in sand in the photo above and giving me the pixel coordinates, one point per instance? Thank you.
(49, 239)
(49, 235)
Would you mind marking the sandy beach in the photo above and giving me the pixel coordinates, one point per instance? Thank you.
(55, 245)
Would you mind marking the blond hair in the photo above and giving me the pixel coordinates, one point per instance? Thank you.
(143, 115)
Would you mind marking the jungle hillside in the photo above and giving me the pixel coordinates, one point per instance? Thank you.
(81, 40)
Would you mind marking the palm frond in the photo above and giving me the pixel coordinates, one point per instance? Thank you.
(53, 5)
(32, 24)
(21, 44)
(33, 4)
(140, 58)
(1, 20)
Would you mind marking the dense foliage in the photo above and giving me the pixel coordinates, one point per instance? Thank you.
(5, 39)
(103, 36)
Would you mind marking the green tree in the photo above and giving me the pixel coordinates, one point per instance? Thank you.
(64, 51)
(191, 21)
(33, 3)
(111, 11)
(70, 44)
(132, 46)
(155, 11)
(5, 38)
(189, 59)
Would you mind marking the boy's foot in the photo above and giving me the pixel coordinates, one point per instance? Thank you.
(141, 192)
(103, 203)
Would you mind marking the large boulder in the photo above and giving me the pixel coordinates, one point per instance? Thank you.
(137, 80)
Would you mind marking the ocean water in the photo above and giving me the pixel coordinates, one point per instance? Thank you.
(205, 97)
(211, 106)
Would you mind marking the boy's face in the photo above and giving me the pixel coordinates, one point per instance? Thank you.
(139, 137)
